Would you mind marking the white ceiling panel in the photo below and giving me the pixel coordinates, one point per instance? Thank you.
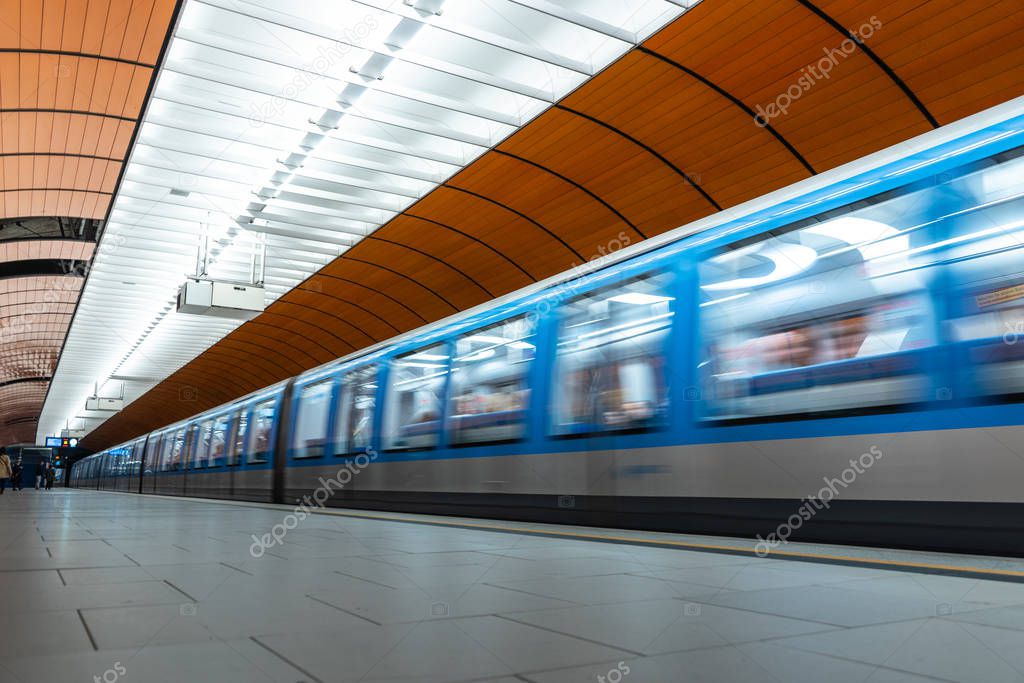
(299, 128)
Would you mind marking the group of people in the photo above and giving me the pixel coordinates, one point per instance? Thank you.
(45, 473)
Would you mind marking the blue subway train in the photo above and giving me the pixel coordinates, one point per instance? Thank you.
(843, 359)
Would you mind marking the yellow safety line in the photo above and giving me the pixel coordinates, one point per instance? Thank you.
(846, 559)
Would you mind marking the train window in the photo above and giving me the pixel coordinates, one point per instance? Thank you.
(610, 366)
(151, 460)
(174, 446)
(166, 446)
(834, 316)
(490, 394)
(260, 431)
(311, 424)
(239, 432)
(136, 459)
(357, 407)
(985, 250)
(202, 450)
(412, 415)
(218, 439)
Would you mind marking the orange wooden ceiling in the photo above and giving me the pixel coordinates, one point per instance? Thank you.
(73, 80)
(664, 136)
(35, 312)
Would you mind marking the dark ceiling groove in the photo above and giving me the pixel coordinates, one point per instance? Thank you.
(434, 258)
(842, 30)
(472, 237)
(256, 374)
(516, 212)
(372, 289)
(680, 172)
(735, 100)
(56, 189)
(578, 186)
(403, 276)
(71, 53)
(60, 154)
(24, 380)
(373, 340)
(73, 112)
(292, 348)
(43, 267)
(344, 301)
(264, 355)
(307, 322)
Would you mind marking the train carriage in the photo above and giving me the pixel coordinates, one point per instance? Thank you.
(709, 381)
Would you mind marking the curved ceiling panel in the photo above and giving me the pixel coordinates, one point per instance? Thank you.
(73, 80)
(35, 312)
(22, 401)
(689, 122)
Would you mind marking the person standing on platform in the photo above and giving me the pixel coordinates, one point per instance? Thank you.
(41, 472)
(51, 475)
(5, 469)
(16, 469)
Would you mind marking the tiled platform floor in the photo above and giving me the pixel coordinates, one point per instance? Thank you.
(130, 589)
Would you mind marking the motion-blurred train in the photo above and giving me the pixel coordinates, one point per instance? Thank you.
(716, 380)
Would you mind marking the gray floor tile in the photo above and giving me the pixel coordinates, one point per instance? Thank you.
(1002, 617)
(829, 605)
(595, 590)
(213, 662)
(74, 597)
(446, 650)
(106, 575)
(389, 606)
(753, 663)
(347, 598)
(945, 649)
(41, 633)
(667, 625)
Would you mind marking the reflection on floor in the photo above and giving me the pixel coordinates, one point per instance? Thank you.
(115, 587)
